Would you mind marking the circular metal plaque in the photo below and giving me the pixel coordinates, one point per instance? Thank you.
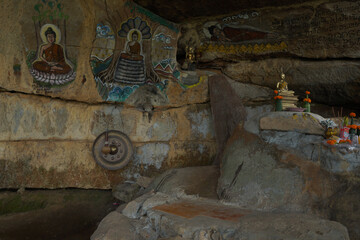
(119, 153)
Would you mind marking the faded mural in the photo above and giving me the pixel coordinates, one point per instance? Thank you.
(49, 64)
(141, 51)
(240, 34)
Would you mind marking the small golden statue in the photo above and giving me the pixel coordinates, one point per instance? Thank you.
(289, 99)
(190, 54)
(190, 60)
(282, 85)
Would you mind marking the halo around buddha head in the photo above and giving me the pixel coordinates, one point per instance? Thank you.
(54, 28)
(130, 35)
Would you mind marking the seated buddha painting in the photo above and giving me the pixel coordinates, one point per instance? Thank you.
(51, 66)
(130, 68)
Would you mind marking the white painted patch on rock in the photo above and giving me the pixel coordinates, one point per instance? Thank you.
(151, 154)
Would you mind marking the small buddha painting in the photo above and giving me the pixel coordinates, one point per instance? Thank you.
(130, 67)
(133, 46)
(51, 66)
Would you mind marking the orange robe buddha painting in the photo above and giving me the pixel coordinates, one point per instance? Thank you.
(133, 49)
(51, 68)
(130, 68)
(54, 60)
(51, 56)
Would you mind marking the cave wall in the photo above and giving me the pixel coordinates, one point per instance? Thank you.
(315, 43)
(50, 117)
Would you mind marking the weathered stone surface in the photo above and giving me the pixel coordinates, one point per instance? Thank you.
(345, 207)
(250, 93)
(320, 51)
(198, 93)
(338, 159)
(125, 191)
(61, 164)
(146, 97)
(255, 226)
(253, 116)
(156, 200)
(259, 176)
(114, 226)
(201, 181)
(227, 110)
(133, 208)
(330, 82)
(144, 182)
(200, 219)
(30, 117)
(298, 30)
(291, 121)
(54, 138)
(189, 9)
(140, 206)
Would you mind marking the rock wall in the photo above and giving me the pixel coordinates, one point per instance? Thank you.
(316, 44)
(71, 70)
(282, 163)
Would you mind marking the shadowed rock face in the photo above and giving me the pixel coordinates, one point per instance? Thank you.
(179, 11)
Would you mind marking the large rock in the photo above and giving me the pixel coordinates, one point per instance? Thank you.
(114, 226)
(308, 123)
(199, 181)
(257, 175)
(125, 191)
(338, 159)
(200, 219)
(227, 110)
(345, 207)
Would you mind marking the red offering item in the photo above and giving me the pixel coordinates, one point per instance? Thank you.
(344, 133)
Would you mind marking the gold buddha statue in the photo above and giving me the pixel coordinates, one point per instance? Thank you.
(190, 60)
(289, 99)
(282, 85)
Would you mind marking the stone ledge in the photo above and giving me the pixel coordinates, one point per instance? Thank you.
(308, 123)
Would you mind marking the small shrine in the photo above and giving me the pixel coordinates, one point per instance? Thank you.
(289, 100)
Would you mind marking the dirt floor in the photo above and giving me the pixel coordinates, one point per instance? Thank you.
(70, 214)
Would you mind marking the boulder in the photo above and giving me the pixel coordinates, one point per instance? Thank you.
(227, 110)
(199, 181)
(133, 208)
(202, 219)
(258, 175)
(125, 192)
(248, 225)
(114, 226)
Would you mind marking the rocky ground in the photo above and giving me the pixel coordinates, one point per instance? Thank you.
(165, 211)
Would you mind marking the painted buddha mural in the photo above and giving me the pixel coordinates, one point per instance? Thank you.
(130, 68)
(133, 48)
(51, 56)
(131, 64)
(51, 66)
